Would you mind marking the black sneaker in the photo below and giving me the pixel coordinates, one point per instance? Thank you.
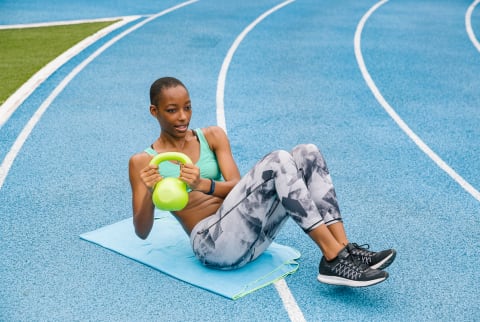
(348, 271)
(378, 260)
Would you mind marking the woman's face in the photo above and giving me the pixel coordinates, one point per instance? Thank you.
(173, 111)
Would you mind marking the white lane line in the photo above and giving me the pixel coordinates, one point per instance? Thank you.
(281, 286)
(16, 99)
(389, 109)
(64, 23)
(468, 24)
(289, 302)
(222, 76)
(17, 145)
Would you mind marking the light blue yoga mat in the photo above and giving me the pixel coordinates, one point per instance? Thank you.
(168, 250)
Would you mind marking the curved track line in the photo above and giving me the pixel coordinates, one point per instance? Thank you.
(281, 286)
(468, 24)
(222, 76)
(17, 145)
(415, 138)
(16, 99)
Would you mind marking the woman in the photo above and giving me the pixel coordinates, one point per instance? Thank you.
(232, 220)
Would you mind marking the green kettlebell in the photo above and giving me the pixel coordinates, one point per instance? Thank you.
(170, 194)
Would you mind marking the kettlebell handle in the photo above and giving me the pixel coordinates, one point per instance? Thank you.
(170, 156)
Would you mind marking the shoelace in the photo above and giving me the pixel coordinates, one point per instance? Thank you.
(363, 252)
(350, 266)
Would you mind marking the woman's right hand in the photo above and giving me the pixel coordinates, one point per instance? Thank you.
(150, 176)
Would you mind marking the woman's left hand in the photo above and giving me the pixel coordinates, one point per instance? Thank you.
(190, 174)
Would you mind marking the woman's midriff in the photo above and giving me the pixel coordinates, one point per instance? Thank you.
(199, 207)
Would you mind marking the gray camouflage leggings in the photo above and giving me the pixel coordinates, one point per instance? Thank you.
(281, 185)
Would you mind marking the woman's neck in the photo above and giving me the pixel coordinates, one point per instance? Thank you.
(168, 142)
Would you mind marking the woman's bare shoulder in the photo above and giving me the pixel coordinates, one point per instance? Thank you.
(216, 137)
(139, 160)
(214, 134)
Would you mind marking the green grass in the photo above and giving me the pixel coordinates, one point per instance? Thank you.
(25, 51)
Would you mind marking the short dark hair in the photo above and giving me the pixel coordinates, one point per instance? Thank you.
(159, 85)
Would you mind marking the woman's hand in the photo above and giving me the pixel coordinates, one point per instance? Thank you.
(190, 174)
(150, 176)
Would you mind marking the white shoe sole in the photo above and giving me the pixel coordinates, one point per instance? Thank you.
(385, 262)
(335, 280)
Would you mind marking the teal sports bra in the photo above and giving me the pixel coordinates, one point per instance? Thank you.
(207, 162)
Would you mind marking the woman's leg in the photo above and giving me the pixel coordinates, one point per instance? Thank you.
(338, 231)
(313, 166)
(253, 212)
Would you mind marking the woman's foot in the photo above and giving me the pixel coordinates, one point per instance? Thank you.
(347, 270)
(378, 260)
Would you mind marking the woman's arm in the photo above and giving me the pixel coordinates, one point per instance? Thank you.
(143, 178)
(220, 145)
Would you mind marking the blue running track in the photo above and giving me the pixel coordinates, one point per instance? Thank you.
(388, 90)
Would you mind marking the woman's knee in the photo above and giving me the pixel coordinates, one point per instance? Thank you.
(310, 159)
(306, 148)
(279, 157)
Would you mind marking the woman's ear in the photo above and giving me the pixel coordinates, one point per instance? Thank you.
(153, 110)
